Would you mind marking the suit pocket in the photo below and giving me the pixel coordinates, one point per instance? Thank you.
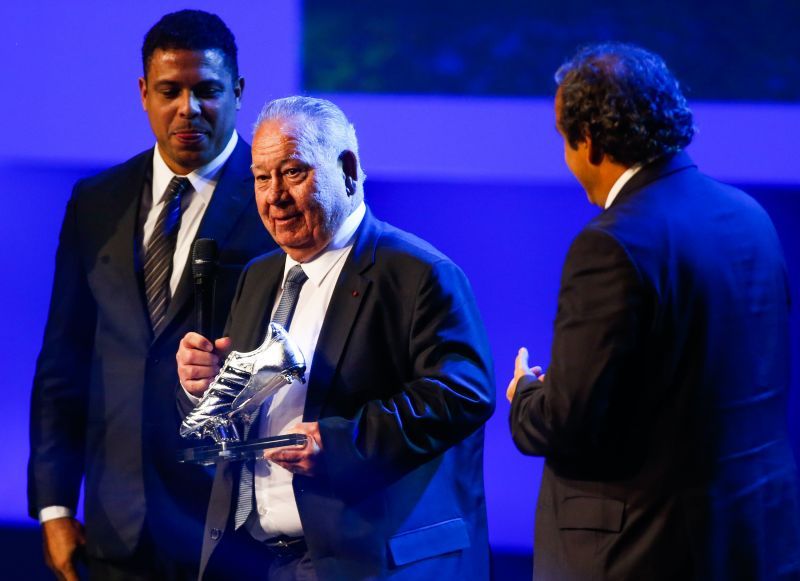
(591, 513)
(444, 537)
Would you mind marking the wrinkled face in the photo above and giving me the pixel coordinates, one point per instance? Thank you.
(302, 200)
(191, 100)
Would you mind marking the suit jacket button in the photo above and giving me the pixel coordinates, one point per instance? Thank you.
(215, 534)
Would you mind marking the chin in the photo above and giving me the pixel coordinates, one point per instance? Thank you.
(196, 157)
(291, 243)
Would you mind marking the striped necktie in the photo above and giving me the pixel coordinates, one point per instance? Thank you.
(158, 256)
(283, 316)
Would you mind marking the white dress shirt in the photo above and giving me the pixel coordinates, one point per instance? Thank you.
(276, 507)
(621, 181)
(193, 204)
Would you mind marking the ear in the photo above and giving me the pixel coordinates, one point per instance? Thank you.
(238, 90)
(596, 154)
(143, 92)
(349, 164)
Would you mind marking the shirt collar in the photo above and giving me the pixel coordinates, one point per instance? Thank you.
(203, 179)
(620, 183)
(318, 268)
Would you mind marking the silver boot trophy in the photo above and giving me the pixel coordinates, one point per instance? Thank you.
(243, 383)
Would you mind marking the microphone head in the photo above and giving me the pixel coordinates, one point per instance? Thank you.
(204, 257)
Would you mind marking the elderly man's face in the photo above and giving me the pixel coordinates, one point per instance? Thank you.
(302, 201)
(191, 100)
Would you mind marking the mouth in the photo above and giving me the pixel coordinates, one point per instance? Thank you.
(285, 220)
(190, 136)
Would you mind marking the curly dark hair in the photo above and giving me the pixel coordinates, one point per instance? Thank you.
(191, 30)
(625, 99)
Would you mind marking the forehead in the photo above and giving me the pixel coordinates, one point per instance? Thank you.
(183, 64)
(274, 142)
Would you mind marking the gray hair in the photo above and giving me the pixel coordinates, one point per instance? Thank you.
(321, 129)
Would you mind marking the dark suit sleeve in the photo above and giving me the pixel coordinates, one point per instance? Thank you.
(448, 392)
(584, 407)
(61, 383)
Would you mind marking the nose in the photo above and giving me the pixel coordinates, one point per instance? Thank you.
(189, 105)
(275, 190)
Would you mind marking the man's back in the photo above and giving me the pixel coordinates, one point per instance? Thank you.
(662, 414)
(700, 456)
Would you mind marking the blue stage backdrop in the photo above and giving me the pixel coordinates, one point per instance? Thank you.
(481, 177)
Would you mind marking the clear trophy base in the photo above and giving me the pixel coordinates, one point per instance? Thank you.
(235, 396)
(237, 451)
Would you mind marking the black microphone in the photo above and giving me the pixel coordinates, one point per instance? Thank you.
(204, 271)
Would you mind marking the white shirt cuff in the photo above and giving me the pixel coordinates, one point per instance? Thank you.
(192, 398)
(54, 512)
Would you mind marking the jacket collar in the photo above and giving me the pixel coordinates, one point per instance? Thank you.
(655, 170)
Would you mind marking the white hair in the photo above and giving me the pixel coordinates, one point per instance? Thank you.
(321, 128)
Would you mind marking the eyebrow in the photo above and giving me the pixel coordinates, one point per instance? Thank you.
(173, 83)
(295, 157)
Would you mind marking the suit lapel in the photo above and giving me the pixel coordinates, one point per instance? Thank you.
(122, 245)
(348, 295)
(231, 196)
(254, 328)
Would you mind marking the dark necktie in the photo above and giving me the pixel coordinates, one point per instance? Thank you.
(158, 256)
(283, 316)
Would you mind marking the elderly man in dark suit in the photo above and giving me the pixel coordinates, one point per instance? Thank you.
(103, 406)
(390, 482)
(662, 414)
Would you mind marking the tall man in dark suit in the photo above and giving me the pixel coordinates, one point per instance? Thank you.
(662, 415)
(103, 406)
(390, 483)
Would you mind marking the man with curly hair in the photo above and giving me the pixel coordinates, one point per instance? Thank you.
(662, 416)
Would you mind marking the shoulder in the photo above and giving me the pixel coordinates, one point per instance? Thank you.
(393, 245)
(610, 247)
(595, 242)
(122, 175)
(726, 197)
(643, 221)
(682, 207)
(403, 260)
